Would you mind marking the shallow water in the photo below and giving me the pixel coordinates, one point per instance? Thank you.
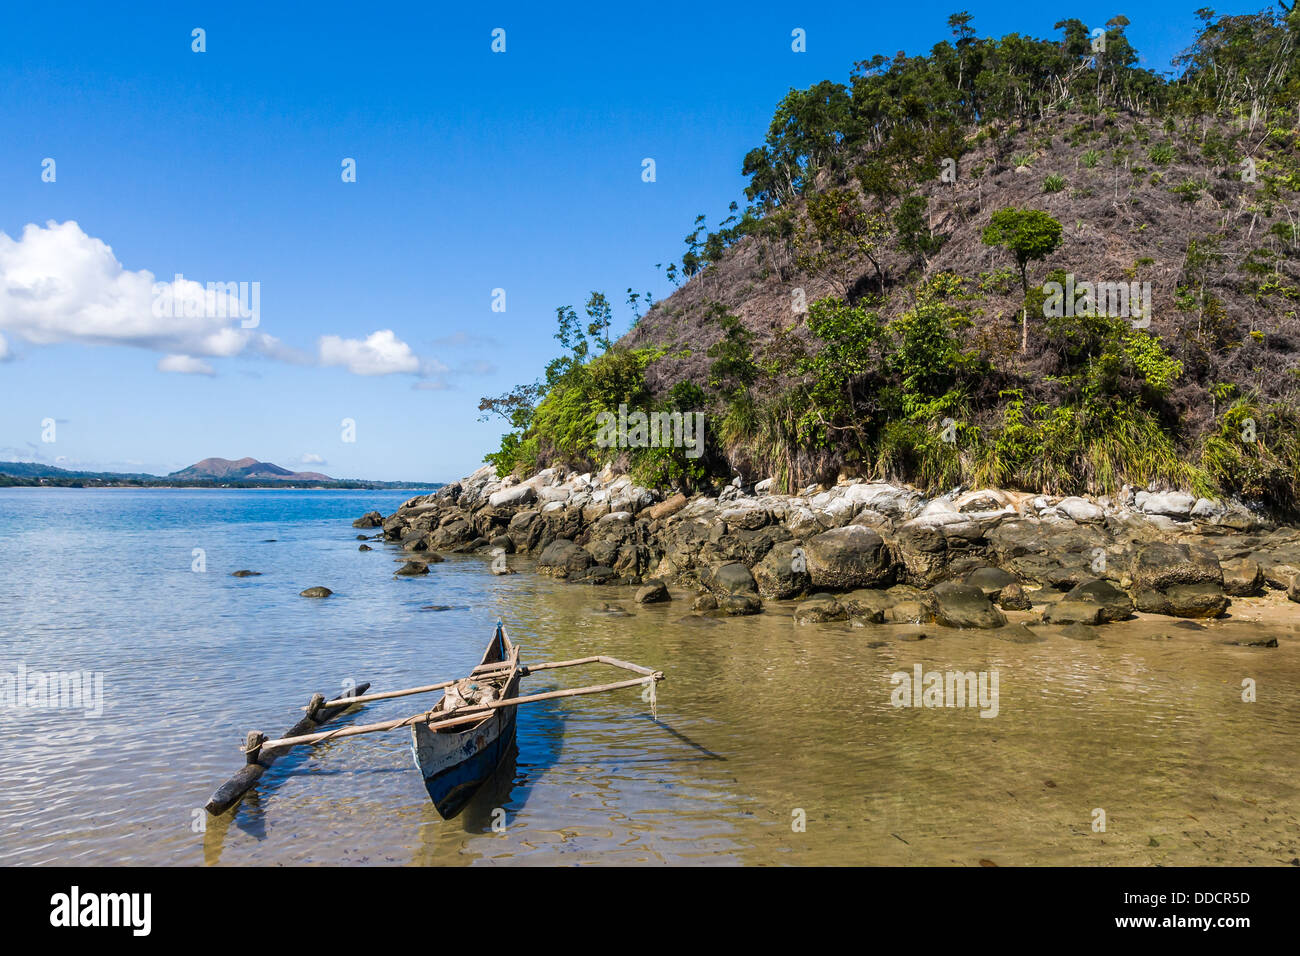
(762, 723)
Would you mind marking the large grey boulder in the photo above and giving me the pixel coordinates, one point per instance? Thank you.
(730, 578)
(847, 558)
(1178, 580)
(991, 581)
(562, 558)
(1113, 603)
(953, 604)
(1162, 564)
(783, 572)
(1184, 600)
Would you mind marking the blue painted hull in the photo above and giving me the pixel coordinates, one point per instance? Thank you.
(455, 762)
(451, 789)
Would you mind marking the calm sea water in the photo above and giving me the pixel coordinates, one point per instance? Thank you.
(776, 744)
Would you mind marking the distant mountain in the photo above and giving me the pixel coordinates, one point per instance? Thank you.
(209, 473)
(245, 469)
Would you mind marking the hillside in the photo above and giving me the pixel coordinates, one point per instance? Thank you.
(209, 473)
(866, 312)
(223, 469)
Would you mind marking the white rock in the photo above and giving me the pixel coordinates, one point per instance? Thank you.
(764, 486)
(1172, 504)
(882, 497)
(839, 511)
(1208, 508)
(1079, 509)
(514, 495)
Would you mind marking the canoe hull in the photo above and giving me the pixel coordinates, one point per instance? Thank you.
(455, 762)
(455, 765)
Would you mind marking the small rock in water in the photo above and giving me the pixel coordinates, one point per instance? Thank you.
(316, 592)
(365, 547)
(653, 592)
(1080, 632)
(1190, 626)
(363, 537)
(436, 607)
(1262, 642)
(1017, 634)
(412, 568)
(613, 610)
(269, 540)
(245, 574)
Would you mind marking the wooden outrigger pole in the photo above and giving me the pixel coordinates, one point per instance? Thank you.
(259, 752)
(468, 715)
(260, 757)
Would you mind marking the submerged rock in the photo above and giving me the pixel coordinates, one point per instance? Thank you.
(1113, 603)
(316, 592)
(245, 574)
(412, 568)
(819, 609)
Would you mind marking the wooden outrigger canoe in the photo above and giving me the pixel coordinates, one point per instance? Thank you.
(454, 761)
(457, 743)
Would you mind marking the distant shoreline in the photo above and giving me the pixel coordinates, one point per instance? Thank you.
(210, 486)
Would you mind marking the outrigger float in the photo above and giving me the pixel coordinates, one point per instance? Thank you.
(457, 743)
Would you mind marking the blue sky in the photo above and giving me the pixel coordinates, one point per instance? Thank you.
(475, 171)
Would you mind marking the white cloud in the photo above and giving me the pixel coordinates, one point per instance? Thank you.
(310, 459)
(58, 284)
(185, 364)
(381, 353)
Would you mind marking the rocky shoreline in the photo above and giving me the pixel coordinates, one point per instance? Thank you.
(865, 552)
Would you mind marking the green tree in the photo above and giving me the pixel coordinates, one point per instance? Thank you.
(838, 234)
(601, 316)
(1029, 235)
